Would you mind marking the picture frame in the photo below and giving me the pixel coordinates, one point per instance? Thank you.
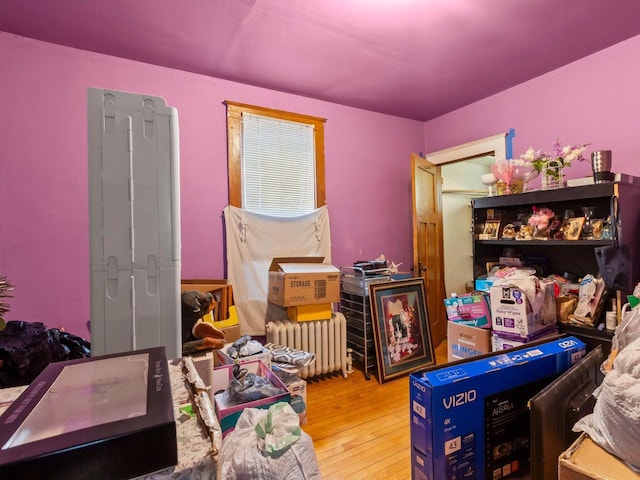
(572, 228)
(491, 229)
(401, 327)
(597, 224)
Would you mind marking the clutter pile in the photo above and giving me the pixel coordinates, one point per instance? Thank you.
(613, 425)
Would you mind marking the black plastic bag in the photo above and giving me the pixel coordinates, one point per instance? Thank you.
(614, 261)
(26, 348)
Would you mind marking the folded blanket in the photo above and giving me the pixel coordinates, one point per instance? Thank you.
(283, 354)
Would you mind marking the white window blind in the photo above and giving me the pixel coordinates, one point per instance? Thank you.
(278, 166)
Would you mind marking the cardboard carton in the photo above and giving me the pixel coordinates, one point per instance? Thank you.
(511, 311)
(469, 419)
(227, 413)
(298, 389)
(466, 341)
(585, 460)
(309, 313)
(502, 341)
(297, 281)
(223, 357)
(222, 293)
(469, 309)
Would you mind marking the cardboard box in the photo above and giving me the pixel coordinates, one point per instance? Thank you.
(483, 284)
(223, 357)
(465, 341)
(297, 281)
(502, 341)
(511, 311)
(227, 413)
(309, 313)
(79, 415)
(469, 419)
(298, 389)
(585, 460)
(205, 363)
(231, 334)
(222, 293)
(469, 309)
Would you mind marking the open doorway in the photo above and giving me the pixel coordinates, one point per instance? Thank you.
(461, 168)
(460, 183)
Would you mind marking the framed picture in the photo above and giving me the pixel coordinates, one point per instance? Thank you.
(401, 327)
(597, 225)
(572, 228)
(491, 229)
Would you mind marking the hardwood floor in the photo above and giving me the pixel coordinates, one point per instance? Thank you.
(360, 429)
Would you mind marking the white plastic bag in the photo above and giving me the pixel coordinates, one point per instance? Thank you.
(268, 445)
(614, 422)
(626, 333)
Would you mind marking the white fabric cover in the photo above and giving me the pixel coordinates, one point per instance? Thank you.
(614, 422)
(243, 455)
(253, 240)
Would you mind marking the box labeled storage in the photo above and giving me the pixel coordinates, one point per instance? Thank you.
(229, 412)
(465, 341)
(502, 341)
(297, 281)
(585, 460)
(469, 309)
(511, 311)
(470, 419)
(224, 358)
(309, 313)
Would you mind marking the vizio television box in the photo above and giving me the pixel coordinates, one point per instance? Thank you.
(469, 419)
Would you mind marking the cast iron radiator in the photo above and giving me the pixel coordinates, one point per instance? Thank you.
(326, 338)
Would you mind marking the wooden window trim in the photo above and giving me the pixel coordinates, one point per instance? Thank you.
(234, 145)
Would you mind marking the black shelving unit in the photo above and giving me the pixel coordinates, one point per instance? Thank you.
(559, 256)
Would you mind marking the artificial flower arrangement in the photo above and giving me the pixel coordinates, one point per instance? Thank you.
(513, 174)
(552, 165)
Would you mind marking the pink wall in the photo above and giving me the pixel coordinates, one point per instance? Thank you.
(594, 100)
(43, 159)
(43, 172)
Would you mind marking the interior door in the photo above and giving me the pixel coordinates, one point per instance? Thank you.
(428, 258)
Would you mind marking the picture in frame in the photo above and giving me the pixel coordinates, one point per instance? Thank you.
(401, 327)
(572, 228)
(491, 229)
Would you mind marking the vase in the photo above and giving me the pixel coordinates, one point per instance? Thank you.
(601, 166)
(552, 175)
(516, 186)
(587, 227)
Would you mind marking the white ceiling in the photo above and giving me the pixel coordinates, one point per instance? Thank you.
(416, 59)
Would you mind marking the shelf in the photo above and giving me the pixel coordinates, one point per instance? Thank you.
(547, 196)
(591, 336)
(562, 243)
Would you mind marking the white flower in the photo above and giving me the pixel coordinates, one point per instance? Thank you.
(570, 157)
(529, 155)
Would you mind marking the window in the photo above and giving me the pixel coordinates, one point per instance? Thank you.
(276, 160)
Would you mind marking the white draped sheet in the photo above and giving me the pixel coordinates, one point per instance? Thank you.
(253, 241)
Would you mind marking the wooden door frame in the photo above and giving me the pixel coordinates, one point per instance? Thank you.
(497, 145)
